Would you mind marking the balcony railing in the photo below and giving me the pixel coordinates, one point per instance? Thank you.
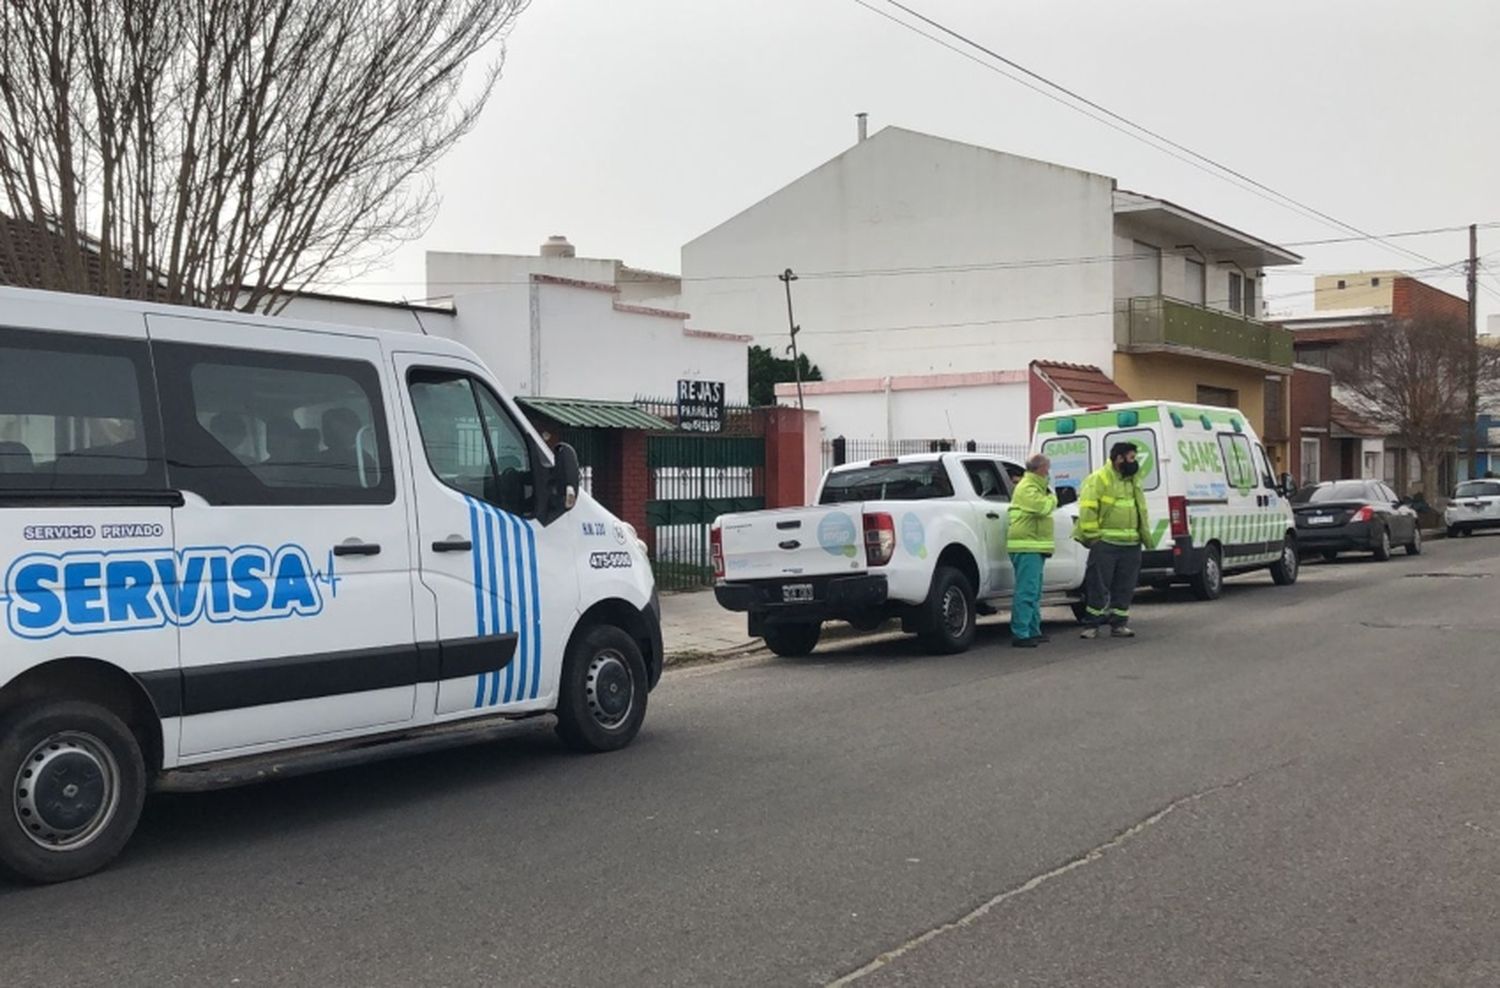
(1155, 321)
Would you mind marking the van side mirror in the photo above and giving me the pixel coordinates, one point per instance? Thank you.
(566, 476)
(1066, 496)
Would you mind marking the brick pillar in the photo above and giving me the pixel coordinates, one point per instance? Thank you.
(786, 459)
(628, 464)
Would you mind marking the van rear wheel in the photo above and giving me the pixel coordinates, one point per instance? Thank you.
(1208, 584)
(602, 694)
(75, 783)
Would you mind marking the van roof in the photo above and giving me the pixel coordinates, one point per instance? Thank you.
(1129, 405)
(117, 307)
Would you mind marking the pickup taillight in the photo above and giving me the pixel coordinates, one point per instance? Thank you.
(880, 538)
(1177, 509)
(716, 550)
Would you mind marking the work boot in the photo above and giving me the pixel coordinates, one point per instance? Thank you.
(1121, 631)
(1090, 633)
(1023, 643)
(1042, 639)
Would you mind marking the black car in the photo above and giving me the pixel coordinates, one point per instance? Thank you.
(1354, 516)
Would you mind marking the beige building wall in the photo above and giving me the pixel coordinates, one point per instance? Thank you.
(1358, 290)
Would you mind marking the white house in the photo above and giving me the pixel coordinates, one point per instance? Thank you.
(931, 273)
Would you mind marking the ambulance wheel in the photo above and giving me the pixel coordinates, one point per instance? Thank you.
(76, 782)
(1209, 583)
(950, 617)
(602, 699)
(793, 641)
(1284, 570)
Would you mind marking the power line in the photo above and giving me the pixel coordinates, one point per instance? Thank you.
(1221, 169)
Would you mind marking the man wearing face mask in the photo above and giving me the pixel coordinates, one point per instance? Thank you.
(1112, 522)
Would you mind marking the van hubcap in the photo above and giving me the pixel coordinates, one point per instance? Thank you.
(610, 690)
(66, 791)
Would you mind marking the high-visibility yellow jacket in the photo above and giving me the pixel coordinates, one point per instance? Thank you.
(1031, 507)
(1112, 508)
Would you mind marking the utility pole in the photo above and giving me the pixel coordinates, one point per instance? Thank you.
(786, 278)
(1473, 411)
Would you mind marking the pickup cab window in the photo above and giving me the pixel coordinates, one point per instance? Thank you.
(987, 481)
(888, 482)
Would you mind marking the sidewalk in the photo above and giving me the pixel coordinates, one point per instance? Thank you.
(693, 625)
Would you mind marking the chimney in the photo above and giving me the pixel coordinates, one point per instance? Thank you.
(864, 125)
(558, 246)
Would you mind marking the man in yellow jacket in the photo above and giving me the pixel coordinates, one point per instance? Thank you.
(1029, 542)
(1112, 522)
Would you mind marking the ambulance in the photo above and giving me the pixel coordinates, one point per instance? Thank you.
(236, 547)
(1216, 506)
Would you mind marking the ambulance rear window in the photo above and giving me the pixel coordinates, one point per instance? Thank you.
(72, 415)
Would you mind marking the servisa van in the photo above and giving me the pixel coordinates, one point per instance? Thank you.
(1216, 507)
(236, 545)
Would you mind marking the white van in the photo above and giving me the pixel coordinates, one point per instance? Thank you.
(1216, 506)
(235, 547)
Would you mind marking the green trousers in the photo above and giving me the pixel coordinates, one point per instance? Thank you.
(1026, 605)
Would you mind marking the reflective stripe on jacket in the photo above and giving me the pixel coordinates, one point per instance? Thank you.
(1112, 508)
(1031, 507)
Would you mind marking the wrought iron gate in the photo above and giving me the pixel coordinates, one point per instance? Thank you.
(695, 478)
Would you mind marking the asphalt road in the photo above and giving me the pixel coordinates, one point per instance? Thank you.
(1291, 786)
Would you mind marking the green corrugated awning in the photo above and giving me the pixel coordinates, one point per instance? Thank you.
(584, 413)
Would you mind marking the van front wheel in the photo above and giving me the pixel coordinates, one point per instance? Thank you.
(602, 694)
(1284, 570)
(75, 783)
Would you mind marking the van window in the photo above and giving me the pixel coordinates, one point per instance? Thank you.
(1144, 441)
(1239, 465)
(1267, 475)
(76, 415)
(1071, 460)
(246, 427)
(472, 444)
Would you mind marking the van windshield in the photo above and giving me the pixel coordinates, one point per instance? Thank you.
(888, 482)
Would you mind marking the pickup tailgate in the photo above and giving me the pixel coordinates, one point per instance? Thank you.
(822, 540)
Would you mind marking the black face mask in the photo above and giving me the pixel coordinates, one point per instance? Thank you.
(1128, 468)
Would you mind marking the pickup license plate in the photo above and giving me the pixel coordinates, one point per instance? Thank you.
(796, 593)
(1320, 520)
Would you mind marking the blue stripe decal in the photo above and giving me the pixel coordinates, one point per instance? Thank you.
(491, 556)
(536, 616)
(522, 592)
(478, 592)
(503, 525)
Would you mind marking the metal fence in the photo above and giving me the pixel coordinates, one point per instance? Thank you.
(695, 477)
(840, 450)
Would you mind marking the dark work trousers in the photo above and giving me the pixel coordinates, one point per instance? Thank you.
(1109, 582)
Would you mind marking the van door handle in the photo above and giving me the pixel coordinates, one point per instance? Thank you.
(453, 545)
(356, 548)
(991, 514)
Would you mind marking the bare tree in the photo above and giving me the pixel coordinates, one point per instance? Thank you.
(222, 152)
(1413, 376)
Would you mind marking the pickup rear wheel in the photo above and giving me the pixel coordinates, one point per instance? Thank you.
(950, 618)
(793, 641)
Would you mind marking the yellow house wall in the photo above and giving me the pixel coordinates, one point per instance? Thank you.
(1171, 377)
(1359, 291)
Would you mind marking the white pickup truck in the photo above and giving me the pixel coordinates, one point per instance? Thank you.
(920, 538)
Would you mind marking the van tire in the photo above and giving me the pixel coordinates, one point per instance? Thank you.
(1208, 583)
(1383, 547)
(1284, 570)
(594, 711)
(948, 613)
(57, 760)
(793, 641)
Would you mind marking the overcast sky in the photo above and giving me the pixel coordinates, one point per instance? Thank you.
(631, 127)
